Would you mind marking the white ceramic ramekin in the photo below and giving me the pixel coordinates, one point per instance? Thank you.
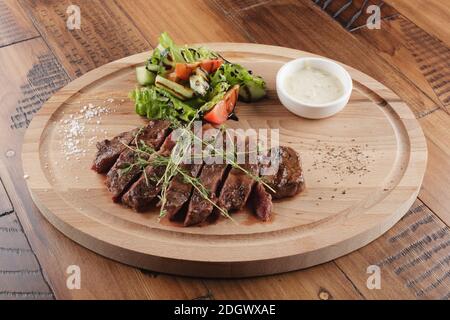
(309, 110)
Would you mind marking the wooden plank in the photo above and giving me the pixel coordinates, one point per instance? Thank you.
(413, 257)
(324, 282)
(28, 76)
(435, 190)
(191, 21)
(311, 29)
(5, 203)
(15, 26)
(106, 33)
(353, 15)
(421, 58)
(433, 16)
(20, 273)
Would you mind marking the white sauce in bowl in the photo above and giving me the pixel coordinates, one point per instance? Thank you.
(313, 85)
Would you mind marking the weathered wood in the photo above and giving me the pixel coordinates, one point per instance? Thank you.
(413, 258)
(28, 76)
(15, 26)
(323, 282)
(20, 273)
(355, 14)
(5, 203)
(412, 52)
(191, 21)
(435, 190)
(106, 33)
(432, 16)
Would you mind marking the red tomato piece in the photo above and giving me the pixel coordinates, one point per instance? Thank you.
(221, 111)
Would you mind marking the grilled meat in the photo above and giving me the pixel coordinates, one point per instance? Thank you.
(200, 208)
(288, 179)
(261, 202)
(238, 184)
(142, 193)
(211, 177)
(109, 150)
(179, 191)
(125, 171)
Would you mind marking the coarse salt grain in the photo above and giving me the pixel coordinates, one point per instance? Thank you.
(74, 128)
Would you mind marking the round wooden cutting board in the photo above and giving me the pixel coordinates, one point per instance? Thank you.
(363, 168)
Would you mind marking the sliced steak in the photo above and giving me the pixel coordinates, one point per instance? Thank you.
(124, 173)
(200, 208)
(288, 179)
(238, 185)
(109, 150)
(142, 193)
(154, 133)
(261, 202)
(179, 191)
(211, 177)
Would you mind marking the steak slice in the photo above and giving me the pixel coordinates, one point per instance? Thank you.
(109, 150)
(199, 208)
(211, 177)
(238, 184)
(179, 191)
(154, 133)
(142, 193)
(124, 173)
(288, 179)
(261, 202)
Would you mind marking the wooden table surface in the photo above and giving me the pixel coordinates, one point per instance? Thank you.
(410, 54)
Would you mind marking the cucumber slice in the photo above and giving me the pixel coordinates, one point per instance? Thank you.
(178, 90)
(144, 77)
(152, 67)
(250, 92)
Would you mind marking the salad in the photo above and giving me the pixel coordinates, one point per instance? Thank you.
(181, 83)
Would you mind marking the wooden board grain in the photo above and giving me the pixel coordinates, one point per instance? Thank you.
(355, 14)
(435, 191)
(14, 24)
(184, 27)
(398, 42)
(29, 74)
(413, 258)
(432, 15)
(105, 33)
(337, 214)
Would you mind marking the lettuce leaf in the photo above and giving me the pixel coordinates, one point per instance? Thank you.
(167, 43)
(157, 103)
(236, 74)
